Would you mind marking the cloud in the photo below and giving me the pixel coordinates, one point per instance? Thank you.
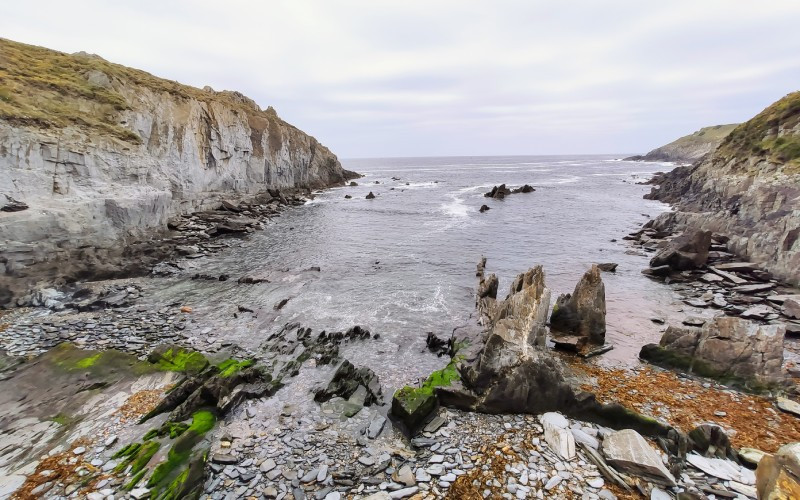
(453, 77)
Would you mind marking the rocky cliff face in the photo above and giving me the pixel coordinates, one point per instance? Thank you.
(689, 148)
(748, 189)
(103, 155)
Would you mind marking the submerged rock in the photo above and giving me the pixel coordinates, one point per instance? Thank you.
(370, 196)
(583, 313)
(727, 348)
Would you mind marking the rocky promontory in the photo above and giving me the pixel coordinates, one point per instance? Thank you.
(747, 190)
(96, 157)
(689, 148)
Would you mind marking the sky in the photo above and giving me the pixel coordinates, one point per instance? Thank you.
(437, 78)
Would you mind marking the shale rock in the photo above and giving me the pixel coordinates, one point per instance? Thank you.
(687, 251)
(582, 314)
(727, 348)
(347, 379)
(627, 451)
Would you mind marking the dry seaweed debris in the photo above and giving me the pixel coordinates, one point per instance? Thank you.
(751, 420)
(139, 404)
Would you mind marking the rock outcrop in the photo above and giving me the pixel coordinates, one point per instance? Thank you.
(748, 189)
(512, 371)
(579, 319)
(689, 148)
(727, 348)
(103, 155)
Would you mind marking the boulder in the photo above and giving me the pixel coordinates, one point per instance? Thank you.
(687, 251)
(523, 189)
(727, 348)
(498, 192)
(370, 196)
(777, 475)
(346, 381)
(791, 308)
(609, 267)
(628, 452)
(487, 288)
(583, 313)
(711, 441)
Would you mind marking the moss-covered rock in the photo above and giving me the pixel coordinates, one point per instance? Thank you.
(177, 359)
(413, 405)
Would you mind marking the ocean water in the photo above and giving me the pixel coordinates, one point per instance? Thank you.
(403, 264)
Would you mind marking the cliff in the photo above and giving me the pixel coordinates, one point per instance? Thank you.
(748, 189)
(103, 155)
(689, 148)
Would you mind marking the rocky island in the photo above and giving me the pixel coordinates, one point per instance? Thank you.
(123, 190)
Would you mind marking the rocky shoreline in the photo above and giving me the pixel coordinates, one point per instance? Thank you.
(289, 446)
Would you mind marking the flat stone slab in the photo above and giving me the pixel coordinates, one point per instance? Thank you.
(759, 287)
(738, 266)
(722, 469)
(629, 452)
(789, 406)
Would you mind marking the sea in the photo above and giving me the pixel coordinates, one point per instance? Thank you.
(403, 264)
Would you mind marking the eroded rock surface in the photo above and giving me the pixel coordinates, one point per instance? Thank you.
(579, 319)
(93, 185)
(748, 189)
(725, 348)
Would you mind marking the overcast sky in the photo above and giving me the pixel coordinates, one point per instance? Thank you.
(414, 78)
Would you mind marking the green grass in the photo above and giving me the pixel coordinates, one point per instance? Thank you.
(44, 88)
(758, 136)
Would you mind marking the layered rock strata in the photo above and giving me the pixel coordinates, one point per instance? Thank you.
(748, 189)
(104, 155)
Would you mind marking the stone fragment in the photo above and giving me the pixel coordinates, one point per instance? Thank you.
(629, 452)
(403, 493)
(751, 456)
(791, 308)
(560, 440)
(722, 469)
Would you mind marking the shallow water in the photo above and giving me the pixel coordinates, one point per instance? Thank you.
(403, 264)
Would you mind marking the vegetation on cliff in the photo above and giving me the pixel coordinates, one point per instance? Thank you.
(50, 89)
(689, 147)
(773, 134)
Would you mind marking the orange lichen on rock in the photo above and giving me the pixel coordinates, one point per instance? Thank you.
(752, 421)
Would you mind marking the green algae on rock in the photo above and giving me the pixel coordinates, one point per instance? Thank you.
(412, 405)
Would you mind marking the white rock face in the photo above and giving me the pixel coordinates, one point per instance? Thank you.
(96, 191)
